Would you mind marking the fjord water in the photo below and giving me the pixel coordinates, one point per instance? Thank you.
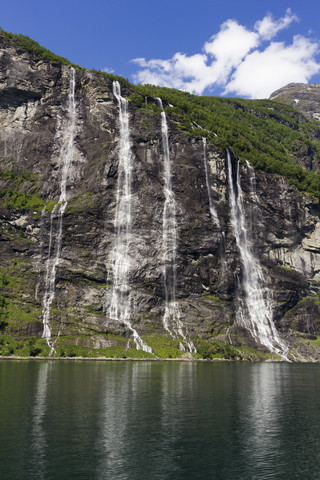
(159, 420)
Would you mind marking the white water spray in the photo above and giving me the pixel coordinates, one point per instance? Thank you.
(66, 155)
(169, 244)
(258, 319)
(120, 307)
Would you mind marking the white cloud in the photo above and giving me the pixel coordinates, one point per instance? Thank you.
(238, 60)
(229, 46)
(267, 28)
(267, 71)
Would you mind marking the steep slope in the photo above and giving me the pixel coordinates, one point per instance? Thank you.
(91, 244)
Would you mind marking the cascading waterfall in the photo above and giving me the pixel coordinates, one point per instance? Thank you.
(169, 243)
(65, 157)
(258, 319)
(213, 211)
(120, 307)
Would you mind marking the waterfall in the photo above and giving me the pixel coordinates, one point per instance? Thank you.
(258, 318)
(41, 245)
(66, 154)
(169, 243)
(213, 211)
(120, 307)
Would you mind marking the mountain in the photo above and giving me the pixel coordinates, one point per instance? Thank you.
(139, 221)
(301, 96)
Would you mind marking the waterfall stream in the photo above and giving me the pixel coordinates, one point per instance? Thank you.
(213, 211)
(120, 307)
(41, 245)
(171, 316)
(66, 154)
(258, 318)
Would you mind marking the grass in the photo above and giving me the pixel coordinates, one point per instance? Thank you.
(27, 347)
(163, 346)
(315, 342)
(17, 314)
(20, 201)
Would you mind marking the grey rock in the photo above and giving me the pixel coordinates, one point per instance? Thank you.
(284, 225)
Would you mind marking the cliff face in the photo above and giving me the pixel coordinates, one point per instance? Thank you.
(58, 255)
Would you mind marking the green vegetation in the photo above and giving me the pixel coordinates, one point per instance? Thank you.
(310, 300)
(14, 192)
(315, 342)
(214, 298)
(17, 314)
(215, 349)
(20, 201)
(18, 176)
(17, 310)
(82, 203)
(163, 346)
(26, 347)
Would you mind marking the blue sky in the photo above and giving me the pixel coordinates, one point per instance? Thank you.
(236, 48)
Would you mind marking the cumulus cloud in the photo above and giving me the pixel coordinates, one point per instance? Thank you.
(240, 61)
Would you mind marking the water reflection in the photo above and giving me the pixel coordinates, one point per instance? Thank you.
(115, 395)
(39, 444)
(163, 421)
(263, 409)
(178, 407)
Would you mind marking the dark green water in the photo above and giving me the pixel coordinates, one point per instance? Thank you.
(170, 421)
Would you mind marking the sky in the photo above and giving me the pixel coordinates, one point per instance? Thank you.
(234, 48)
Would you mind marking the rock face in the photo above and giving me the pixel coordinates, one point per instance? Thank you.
(75, 238)
(301, 96)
